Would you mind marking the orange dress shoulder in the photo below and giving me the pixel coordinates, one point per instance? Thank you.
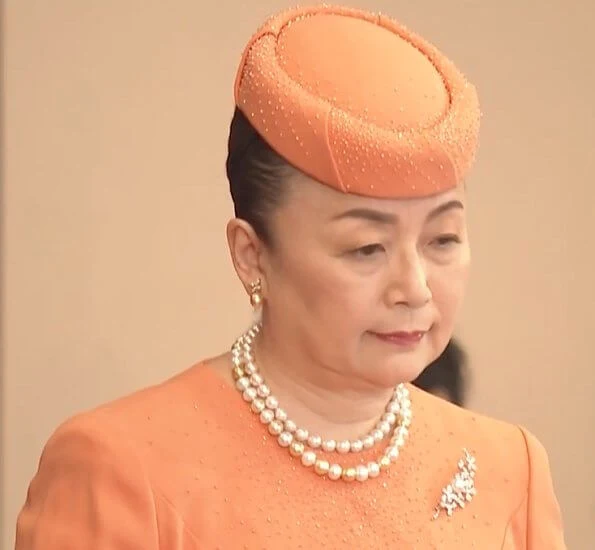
(186, 466)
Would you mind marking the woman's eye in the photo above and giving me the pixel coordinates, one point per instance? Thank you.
(445, 241)
(368, 251)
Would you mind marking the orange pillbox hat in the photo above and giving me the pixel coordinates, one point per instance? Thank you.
(359, 103)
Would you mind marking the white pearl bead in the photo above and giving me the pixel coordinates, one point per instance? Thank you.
(329, 445)
(373, 469)
(343, 446)
(361, 473)
(393, 407)
(256, 379)
(377, 435)
(309, 458)
(296, 448)
(384, 427)
(402, 432)
(275, 427)
(271, 402)
(389, 417)
(401, 391)
(368, 442)
(243, 383)
(280, 414)
(257, 405)
(250, 368)
(290, 426)
(285, 439)
(315, 441)
(406, 417)
(392, 453)
(321, 467)
(356, 446)
(263, 390)
(300, 434)
(267, 416)
(334, 472)
(249, 394)
(397, 441)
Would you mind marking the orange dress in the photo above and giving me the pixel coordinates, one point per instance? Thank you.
(185, 465)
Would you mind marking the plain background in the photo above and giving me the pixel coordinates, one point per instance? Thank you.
(115, 269)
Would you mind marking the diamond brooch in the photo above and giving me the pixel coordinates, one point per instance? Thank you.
(461, 489)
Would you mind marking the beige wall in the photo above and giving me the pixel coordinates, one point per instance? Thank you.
(115, 271)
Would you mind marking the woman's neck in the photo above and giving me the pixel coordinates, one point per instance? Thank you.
(317, 398)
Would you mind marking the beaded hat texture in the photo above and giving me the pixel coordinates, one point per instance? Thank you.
(359, 103)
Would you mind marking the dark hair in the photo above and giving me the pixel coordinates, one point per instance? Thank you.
(257, 176)
(447, 373)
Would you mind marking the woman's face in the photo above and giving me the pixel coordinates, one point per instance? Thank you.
(369, 287)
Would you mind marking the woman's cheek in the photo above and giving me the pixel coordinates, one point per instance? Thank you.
(448, 292)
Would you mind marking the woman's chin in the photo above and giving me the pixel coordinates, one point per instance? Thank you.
(397, 372)
(394, 368)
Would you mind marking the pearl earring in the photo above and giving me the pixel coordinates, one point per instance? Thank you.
(256, 293)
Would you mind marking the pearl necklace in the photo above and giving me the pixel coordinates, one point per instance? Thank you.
(299, 441)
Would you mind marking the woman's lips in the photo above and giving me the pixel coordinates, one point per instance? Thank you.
(401, 338)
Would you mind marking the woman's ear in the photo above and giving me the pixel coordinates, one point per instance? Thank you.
(245, 248)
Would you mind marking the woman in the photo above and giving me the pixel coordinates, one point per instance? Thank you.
(347, 154)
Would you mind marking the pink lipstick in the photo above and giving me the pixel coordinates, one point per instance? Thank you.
(401, 338)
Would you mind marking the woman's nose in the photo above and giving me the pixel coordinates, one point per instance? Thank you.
(409, 282)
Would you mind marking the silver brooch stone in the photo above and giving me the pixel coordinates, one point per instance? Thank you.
(461, 489)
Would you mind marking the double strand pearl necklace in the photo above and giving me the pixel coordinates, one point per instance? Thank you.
(300, 443)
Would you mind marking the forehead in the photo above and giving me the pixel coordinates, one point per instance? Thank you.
(311, 200)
